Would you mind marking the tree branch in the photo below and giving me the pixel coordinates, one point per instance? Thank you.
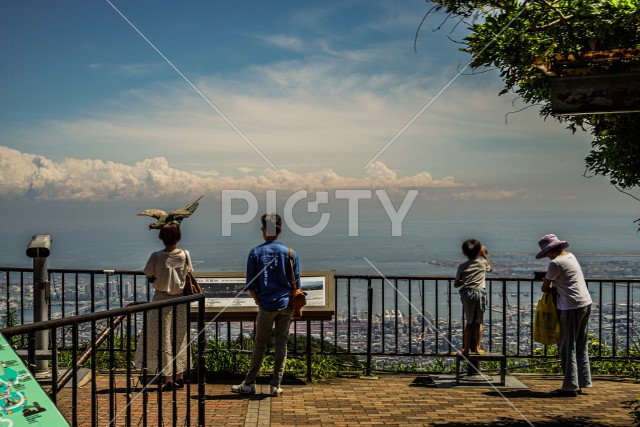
(624, 192)
(562, 18)
(506, 116)
(415, 40)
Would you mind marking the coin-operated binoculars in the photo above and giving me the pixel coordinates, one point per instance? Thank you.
(39, 249)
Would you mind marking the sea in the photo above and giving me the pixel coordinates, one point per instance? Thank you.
(606, 244)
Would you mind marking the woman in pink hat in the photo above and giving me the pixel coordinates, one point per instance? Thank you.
(574, 308)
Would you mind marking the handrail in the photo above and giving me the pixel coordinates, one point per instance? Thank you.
(99, 315)
(68, 374)
(73, 270)
(115, 317)
(493, 278)
(352, 276)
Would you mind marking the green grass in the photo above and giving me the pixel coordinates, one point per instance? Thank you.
(231, 361)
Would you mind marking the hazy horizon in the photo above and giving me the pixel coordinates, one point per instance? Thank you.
(123, 241)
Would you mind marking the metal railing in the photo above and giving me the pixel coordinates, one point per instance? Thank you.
(422, 316)
(396, 316)
(88, 332)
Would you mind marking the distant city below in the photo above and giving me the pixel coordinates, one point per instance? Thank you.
(593, 266)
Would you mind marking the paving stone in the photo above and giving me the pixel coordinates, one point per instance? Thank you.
(390, 400)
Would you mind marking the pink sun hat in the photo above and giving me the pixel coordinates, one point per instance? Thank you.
(548, 242)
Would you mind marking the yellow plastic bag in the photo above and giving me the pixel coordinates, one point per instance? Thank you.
(546, 325)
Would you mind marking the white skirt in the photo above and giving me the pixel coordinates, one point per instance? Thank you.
(153, 320)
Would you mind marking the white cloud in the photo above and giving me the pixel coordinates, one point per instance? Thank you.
(34, 176)
(206, 174)
(493, 194)
(323, 107)
(320, 117)
(329, 111)
(285, 42)
(126, 70)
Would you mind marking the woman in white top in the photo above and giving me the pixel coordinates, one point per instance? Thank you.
(574, 308)
(166, 270)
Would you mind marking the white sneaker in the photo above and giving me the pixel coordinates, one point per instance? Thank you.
(242, 388)
(276, 391)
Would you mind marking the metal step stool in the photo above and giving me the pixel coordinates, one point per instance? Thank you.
(475, 359)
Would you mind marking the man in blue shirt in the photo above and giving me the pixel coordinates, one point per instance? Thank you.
(269, 276)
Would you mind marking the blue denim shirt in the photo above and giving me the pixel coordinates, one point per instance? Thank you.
(269, 274)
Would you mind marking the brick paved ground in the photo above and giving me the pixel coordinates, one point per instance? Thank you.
(392, 400)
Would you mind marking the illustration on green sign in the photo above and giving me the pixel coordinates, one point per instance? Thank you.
(23, 402)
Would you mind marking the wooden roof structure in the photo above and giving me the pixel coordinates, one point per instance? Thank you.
(594, 82)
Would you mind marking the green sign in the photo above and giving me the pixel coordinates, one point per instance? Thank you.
(22, 401)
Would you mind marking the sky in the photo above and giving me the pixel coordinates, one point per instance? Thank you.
(110, 105)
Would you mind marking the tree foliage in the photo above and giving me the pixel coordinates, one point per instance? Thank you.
(510, 35)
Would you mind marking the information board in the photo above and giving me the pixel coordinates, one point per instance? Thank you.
(227, 299)
(22, 401)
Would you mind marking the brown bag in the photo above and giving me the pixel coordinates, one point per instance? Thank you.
(297, 297)
(191, 286)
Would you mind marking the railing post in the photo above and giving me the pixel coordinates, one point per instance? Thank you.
(450, 320)
(201, 367)
(74, 389)
(309, 351)
(128, 370)
(145, 368)
(504, 317)
(54, 364)
(614, 325)
(94, 370)
(31, 352)
(112, 378)
(600, 313)
(435, 319)
(369, 325)
(396, 322)
(349, 316)
(174, 360)
(628, 317)
(92, 292)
